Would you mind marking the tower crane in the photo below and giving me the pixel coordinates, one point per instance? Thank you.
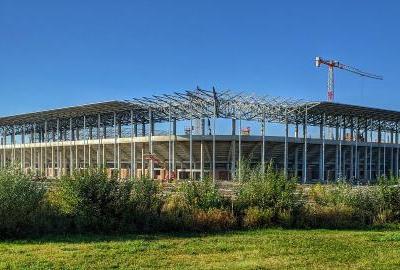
(336, 64)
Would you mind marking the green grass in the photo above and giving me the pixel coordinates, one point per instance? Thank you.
(260, 249)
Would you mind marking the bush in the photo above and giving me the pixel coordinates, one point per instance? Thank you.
(202, 195)
(333, 217)
(21, 204)
(270, 191)
(198, 206)
(255, 217)
(342, 205)
(390, 192)
(213, 220)
(176, 213)
(90, 202)
(146, 203)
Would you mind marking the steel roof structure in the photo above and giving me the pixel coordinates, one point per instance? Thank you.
(200, 103)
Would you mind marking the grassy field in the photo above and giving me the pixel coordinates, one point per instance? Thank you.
(260, 249)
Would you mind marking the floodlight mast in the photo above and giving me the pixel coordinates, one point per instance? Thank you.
(336, 64)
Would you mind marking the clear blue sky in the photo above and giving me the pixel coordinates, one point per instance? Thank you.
(61, 53)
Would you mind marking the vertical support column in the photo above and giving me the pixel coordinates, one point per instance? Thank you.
(263, 144)
(213, 142)
(233, 148)
(322, 149)
(71, 154)
(370, 152)
(46, 139)
(356, 158)
(151, 167)
(285, 155)
(384, 155)
(58, 149)
(115, 141)
(341, 151)
(119, 150)
(344, 164)
(52, 154)
(352, 149)
(378, 170)
(397, 151)
(132, 170)
(1, 152)
(84, 142)
(296, 161)
(365, 162)
(135, 131)
(34, 149)
(170, 143)
(202, 150)
(64, 165)
(98, 141)
(22, 148)
(337, 139)
(305, 147)
(143, 147)
(103, 146)
(366, 151)
(20, 155)
(13, 146)
(4, 148)
(191, 142)
(77, 159)
(41, 137)
(391, 156)
(89, 137)
(119, 135)
(240, 150)
(173, 146)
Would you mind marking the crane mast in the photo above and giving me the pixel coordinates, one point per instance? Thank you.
(336, 64)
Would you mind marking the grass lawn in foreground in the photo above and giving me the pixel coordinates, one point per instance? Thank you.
(259, 249)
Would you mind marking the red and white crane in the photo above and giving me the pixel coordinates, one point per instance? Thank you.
(336, 64)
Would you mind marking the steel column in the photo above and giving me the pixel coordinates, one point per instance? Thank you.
(285, 155)
(305, 147)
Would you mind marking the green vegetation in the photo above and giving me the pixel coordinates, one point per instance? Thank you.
(267, 198)
(91, 202)
(259, 249)
(194, 225)
(21, 204)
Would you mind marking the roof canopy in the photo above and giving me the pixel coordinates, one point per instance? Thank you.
(201, 103)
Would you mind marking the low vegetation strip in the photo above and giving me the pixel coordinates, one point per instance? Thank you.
(91, 202)
(257, 249)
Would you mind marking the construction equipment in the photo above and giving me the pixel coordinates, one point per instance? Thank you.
(336, 64)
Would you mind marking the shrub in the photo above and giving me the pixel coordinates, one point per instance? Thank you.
(270, 191)
(21, 203)
(255, 217)
(199, 206)
(90, 202)
(329, 216)
(176, 213)
(146, 203)
(390, 192)
(213, 220)
(342, 205)
(202, 195)
(368, 203)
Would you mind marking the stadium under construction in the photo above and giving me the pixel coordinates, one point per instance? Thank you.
(318, 141)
